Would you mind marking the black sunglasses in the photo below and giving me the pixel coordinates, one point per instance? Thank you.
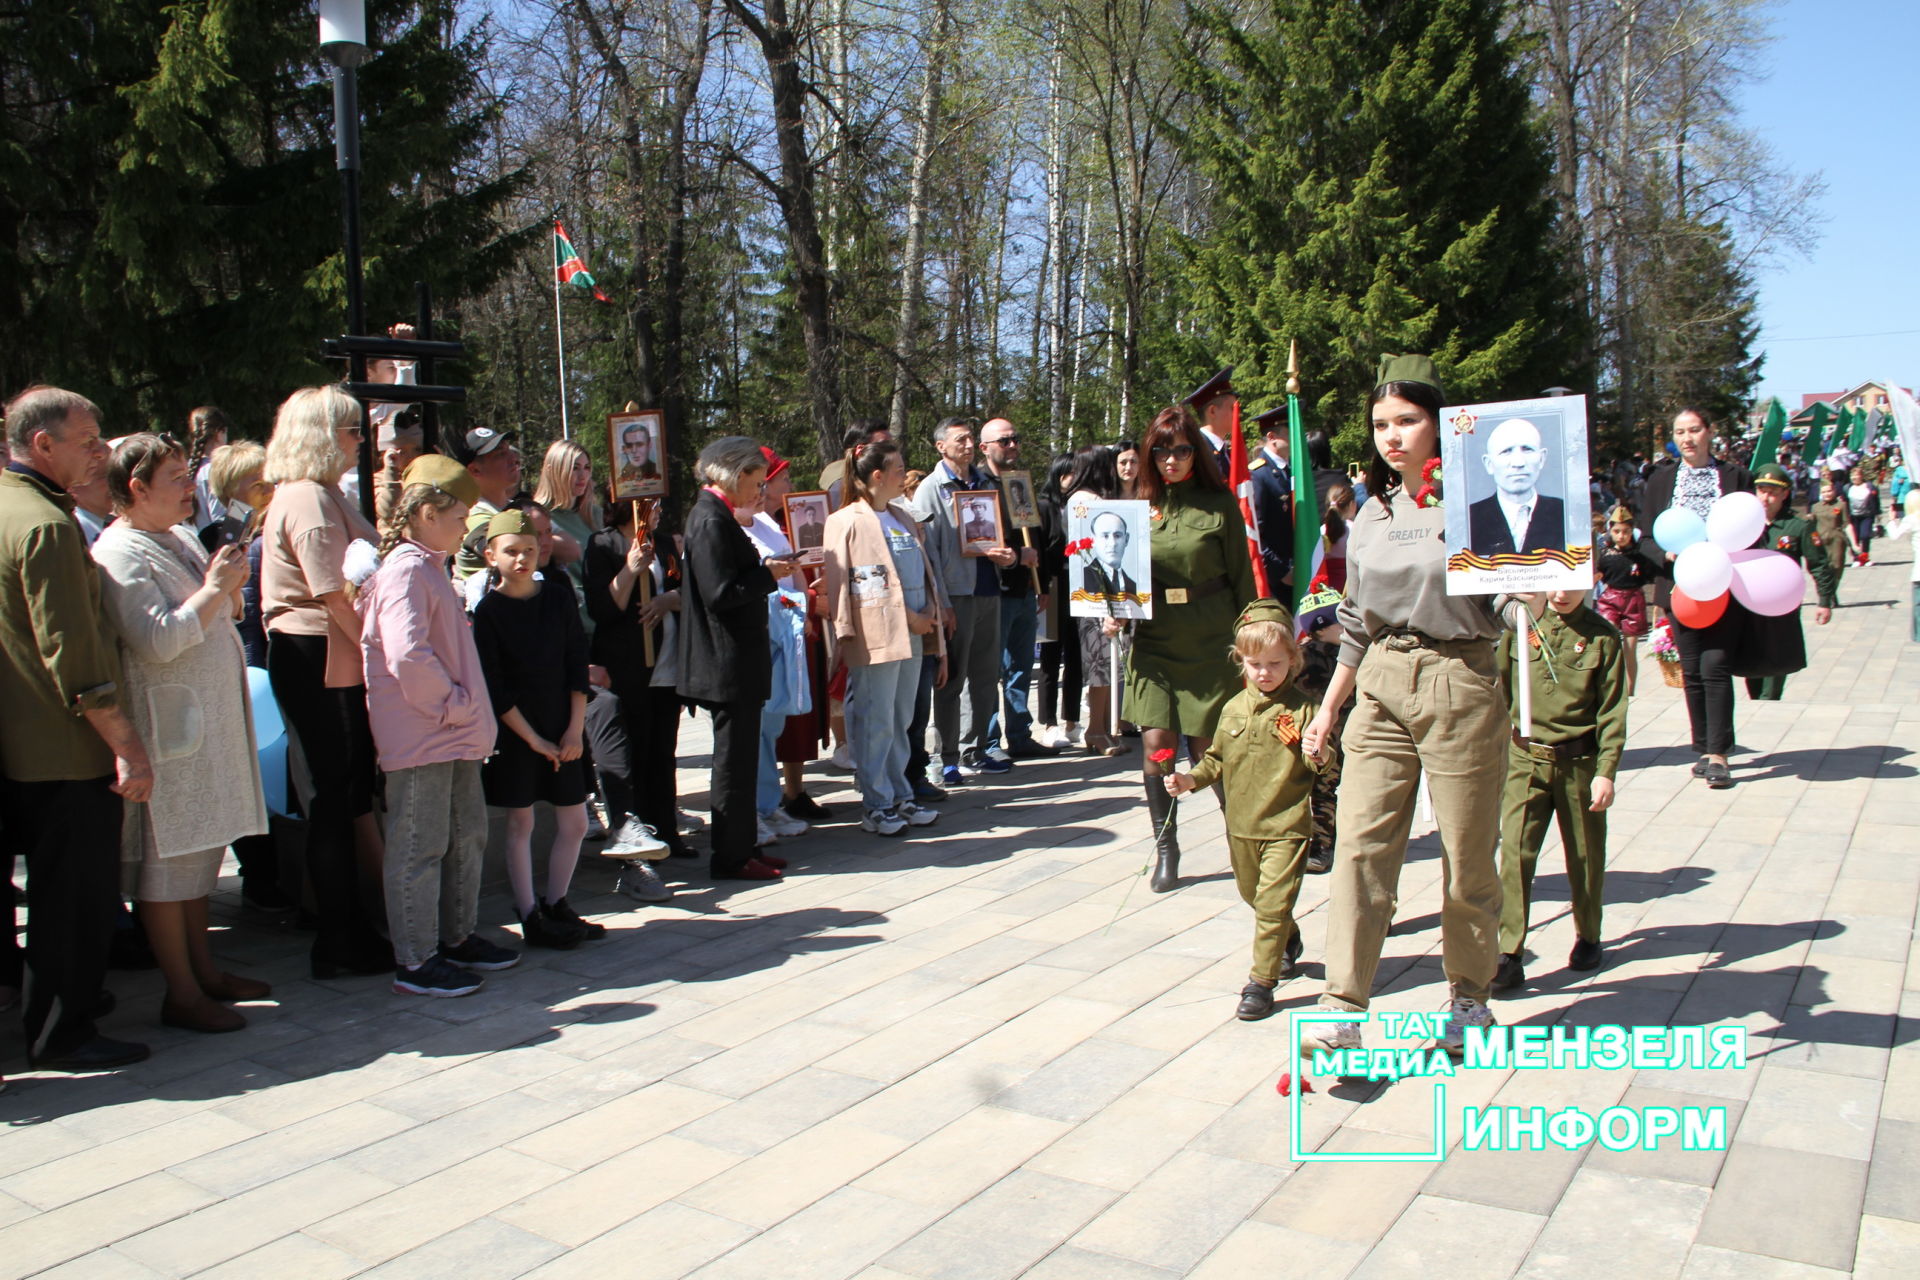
(1178, 452)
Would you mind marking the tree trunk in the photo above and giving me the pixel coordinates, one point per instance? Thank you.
(913, 263)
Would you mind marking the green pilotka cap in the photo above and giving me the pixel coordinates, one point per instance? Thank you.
(508, 522)
(445, 474)
(1264, 610)
(1409, 368)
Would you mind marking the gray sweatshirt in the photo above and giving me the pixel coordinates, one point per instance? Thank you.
(1396, 581)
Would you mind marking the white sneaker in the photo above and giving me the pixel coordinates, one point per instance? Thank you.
(841, 759)
(639, 881)
(783, 824)
(763, 834)
(1331, 1037)
(688, 823)
(915, 815)
(882, 822)
(1463, 1013)
(1073, 735)
(635, 839)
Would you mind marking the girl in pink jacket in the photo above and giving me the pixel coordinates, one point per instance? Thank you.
(432, 725)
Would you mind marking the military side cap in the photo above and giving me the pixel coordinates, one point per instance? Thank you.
(1220, 384)
(1409, 368)
(1263, 610)
(1319, 609)
(511, 521)
(445, 474)
(1774, 474)
(1274, 419)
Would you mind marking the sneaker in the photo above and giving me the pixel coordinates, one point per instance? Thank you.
(539, 928)
(915, 816)
(688, 822)
(1463, 1013)
(1330, 1036)
(477, 953)
(883, 822)
(635, 839)
(841, 760)
(763, 834)
(782, 823)
(565, 913)
(639, 881)
(1073, 734)
(985, 762)
(806, 808)
(437, 977)
(953, 776)
(924, 790)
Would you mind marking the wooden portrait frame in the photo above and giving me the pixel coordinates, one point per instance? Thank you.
(627, 487)
(807, 500)
(978, 500)
(1023, 504)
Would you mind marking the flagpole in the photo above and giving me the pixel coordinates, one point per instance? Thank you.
(560, 343)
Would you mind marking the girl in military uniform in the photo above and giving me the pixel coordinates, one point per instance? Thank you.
(1180, 674)
(1774, 647)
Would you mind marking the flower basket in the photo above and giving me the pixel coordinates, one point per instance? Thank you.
(1670, 672)
(1668, 655)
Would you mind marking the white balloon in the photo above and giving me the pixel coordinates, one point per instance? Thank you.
(1734, 521)
(1703, 571)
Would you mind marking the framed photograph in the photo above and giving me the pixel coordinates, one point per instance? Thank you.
(637, 444)
(807, 525)
(1514, 488)
(1109, 565)
(976, 514)
(1023, 509)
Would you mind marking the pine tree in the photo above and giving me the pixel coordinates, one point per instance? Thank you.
(169, 209)
(1378, 186)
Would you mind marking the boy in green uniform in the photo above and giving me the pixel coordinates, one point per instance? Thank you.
(1797, 538)
(1563, 771)
(1269, 788)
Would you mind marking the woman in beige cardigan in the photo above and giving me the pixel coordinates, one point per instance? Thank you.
(885, 600)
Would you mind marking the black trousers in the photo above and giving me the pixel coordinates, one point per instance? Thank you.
(337, 744)
(1705, 666)
(736, 768)
(1060, 680)
(606, 735)
(650, 728)
(70, 834)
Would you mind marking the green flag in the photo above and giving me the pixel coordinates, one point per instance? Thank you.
(1859, 440)
(1769, 445)
(1307, 551)
(1821, 415)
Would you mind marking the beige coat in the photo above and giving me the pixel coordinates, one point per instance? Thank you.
(873, 627)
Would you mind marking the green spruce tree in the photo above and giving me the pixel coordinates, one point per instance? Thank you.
(170, 228)
(1378, 185)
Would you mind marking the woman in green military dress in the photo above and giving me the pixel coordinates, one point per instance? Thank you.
(1181, 672)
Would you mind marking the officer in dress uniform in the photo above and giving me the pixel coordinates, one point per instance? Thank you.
(1273, 497)
(1213, 403)
(1775, 647)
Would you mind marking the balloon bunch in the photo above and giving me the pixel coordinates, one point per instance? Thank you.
(1715, 559)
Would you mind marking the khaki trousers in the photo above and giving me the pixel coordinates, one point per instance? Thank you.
(1538, 791)
(1435, 706)
(1267, 873)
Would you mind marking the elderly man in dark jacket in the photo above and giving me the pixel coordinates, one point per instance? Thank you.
(68, 753)
(726, 665)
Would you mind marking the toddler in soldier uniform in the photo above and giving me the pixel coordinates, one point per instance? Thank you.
(1320, 633)
(1563, 770)
(1256, 755)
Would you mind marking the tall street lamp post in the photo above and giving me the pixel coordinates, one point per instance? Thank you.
(343, 43)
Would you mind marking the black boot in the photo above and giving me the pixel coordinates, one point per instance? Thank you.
(1166, 835)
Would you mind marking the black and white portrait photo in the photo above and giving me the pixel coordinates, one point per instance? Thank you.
(1023, 512)
(807, 524)
(977, 516)
(1109, 565)
(1516, 496)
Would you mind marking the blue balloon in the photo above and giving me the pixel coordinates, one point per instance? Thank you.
(1677, 528)
(267, 724)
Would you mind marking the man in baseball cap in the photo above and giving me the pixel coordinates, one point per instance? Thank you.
(493, 460)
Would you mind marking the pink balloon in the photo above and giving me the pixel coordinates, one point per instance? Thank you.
(1767, 582)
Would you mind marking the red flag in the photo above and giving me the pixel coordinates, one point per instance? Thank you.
(568, 267)
(1240, 480)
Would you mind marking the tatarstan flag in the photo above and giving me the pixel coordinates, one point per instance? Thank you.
(567, 266)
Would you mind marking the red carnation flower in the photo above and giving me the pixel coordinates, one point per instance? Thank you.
(1161, 756)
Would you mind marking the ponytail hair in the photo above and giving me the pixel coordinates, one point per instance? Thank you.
(1335, 521)
(413, 499)
(862, 465)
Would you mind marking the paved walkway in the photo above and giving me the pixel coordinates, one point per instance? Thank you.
(992, 1053)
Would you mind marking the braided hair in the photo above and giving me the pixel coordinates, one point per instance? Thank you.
(413, 499)
(203, 424)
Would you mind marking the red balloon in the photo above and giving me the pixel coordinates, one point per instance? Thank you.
(1698, 613)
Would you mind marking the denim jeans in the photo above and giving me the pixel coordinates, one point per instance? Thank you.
(1019, 629)
(973, 668)
(880, 700)
(436, 845)
(766, 788)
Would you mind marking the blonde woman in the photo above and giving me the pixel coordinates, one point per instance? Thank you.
(313, 658)
(566, 491)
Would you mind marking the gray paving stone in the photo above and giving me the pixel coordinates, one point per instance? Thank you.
(1893, 1184)
(1083, 1080)
(1796, 1205)
(1617, 1224)
(1002, 1231)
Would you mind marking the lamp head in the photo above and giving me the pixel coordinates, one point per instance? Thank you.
(343, 32)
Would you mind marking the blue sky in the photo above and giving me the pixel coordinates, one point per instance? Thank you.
(1836, 100)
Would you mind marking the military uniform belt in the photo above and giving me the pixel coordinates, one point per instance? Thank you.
(1403, 641)
(1188, 595)
(1586, 744)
